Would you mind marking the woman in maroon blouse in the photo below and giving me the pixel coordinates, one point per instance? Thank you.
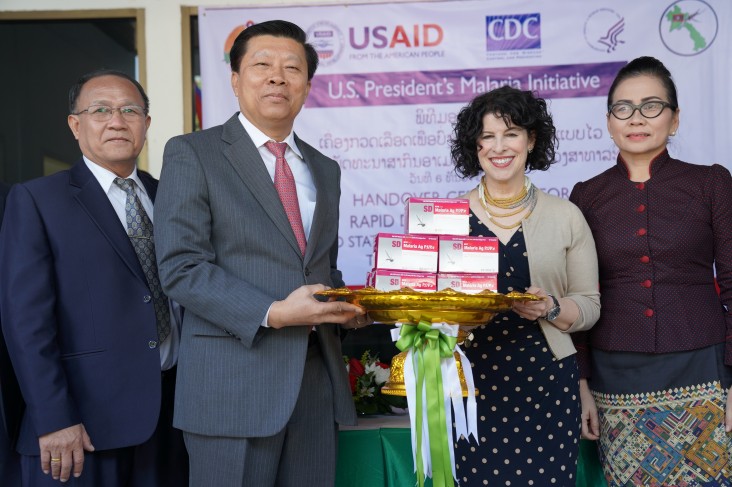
(656, 366)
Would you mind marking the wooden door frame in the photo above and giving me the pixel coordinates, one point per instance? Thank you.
(136, 13)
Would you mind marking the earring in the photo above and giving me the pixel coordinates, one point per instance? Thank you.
(531, 150)
(612, 137)
(673, 133)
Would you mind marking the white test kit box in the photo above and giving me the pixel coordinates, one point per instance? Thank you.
(438, 216)
(389, 280)
(467, 283)
(468, 254)
(417, 253)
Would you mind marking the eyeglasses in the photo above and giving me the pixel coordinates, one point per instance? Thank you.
(650, 109)
(103, 113)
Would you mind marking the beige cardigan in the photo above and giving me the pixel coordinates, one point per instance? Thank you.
(563, 261)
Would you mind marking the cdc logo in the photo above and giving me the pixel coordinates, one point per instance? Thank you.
(513, 32)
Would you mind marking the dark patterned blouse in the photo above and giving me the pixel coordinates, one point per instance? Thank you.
(658, 243)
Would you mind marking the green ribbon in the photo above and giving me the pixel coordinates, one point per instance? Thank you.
(429, 346)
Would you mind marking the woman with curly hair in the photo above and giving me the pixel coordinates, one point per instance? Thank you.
(523, 360)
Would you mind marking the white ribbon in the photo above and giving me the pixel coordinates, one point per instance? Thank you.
(466, 418)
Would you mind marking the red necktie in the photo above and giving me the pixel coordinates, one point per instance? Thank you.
(284, 183)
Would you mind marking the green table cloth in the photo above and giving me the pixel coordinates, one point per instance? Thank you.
(378, 453)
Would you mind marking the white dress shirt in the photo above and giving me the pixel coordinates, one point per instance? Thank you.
(303, 179)
(118, 197)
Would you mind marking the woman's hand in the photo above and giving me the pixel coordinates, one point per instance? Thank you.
(728, 412)
(533, 310)
(590, 419)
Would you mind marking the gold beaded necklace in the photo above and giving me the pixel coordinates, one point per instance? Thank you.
(525, 200)
(505, 203)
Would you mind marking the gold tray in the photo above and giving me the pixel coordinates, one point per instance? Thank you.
(447, 306)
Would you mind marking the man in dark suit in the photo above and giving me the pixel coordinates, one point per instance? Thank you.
(4, 189)
(92, 338)
(243, 245)
(11, 406)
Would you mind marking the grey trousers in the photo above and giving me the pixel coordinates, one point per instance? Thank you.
(303, 453)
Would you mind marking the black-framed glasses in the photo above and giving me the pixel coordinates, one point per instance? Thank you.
(104, 113)
(650, 109)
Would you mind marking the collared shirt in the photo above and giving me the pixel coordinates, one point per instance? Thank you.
(118, 197)
(303, 179)
(658, 244)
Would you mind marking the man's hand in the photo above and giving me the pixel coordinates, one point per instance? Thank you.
(358, 322)
(63, 450)
(301, 308)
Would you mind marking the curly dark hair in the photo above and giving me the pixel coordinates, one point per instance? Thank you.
(515, 107)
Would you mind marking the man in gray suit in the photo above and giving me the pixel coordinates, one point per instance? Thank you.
(262, 385)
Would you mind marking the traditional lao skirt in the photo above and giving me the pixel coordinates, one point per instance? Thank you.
(662, 417)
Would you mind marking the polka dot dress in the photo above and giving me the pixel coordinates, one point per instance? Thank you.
(528, 406)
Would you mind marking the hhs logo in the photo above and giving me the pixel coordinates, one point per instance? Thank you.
(513, 32)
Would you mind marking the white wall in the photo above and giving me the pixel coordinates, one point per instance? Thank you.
(164, 53)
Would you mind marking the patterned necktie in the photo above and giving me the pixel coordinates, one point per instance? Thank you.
(284, 182)
(140, 231)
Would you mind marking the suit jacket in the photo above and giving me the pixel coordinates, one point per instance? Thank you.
(226, 251)
(76, 313)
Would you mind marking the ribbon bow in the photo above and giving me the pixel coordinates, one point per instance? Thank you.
(428, 346)
(423, 335)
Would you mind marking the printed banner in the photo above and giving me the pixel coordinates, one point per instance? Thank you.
(393, 77)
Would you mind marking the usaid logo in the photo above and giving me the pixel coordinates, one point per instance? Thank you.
(327, 40)
(512, 32)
